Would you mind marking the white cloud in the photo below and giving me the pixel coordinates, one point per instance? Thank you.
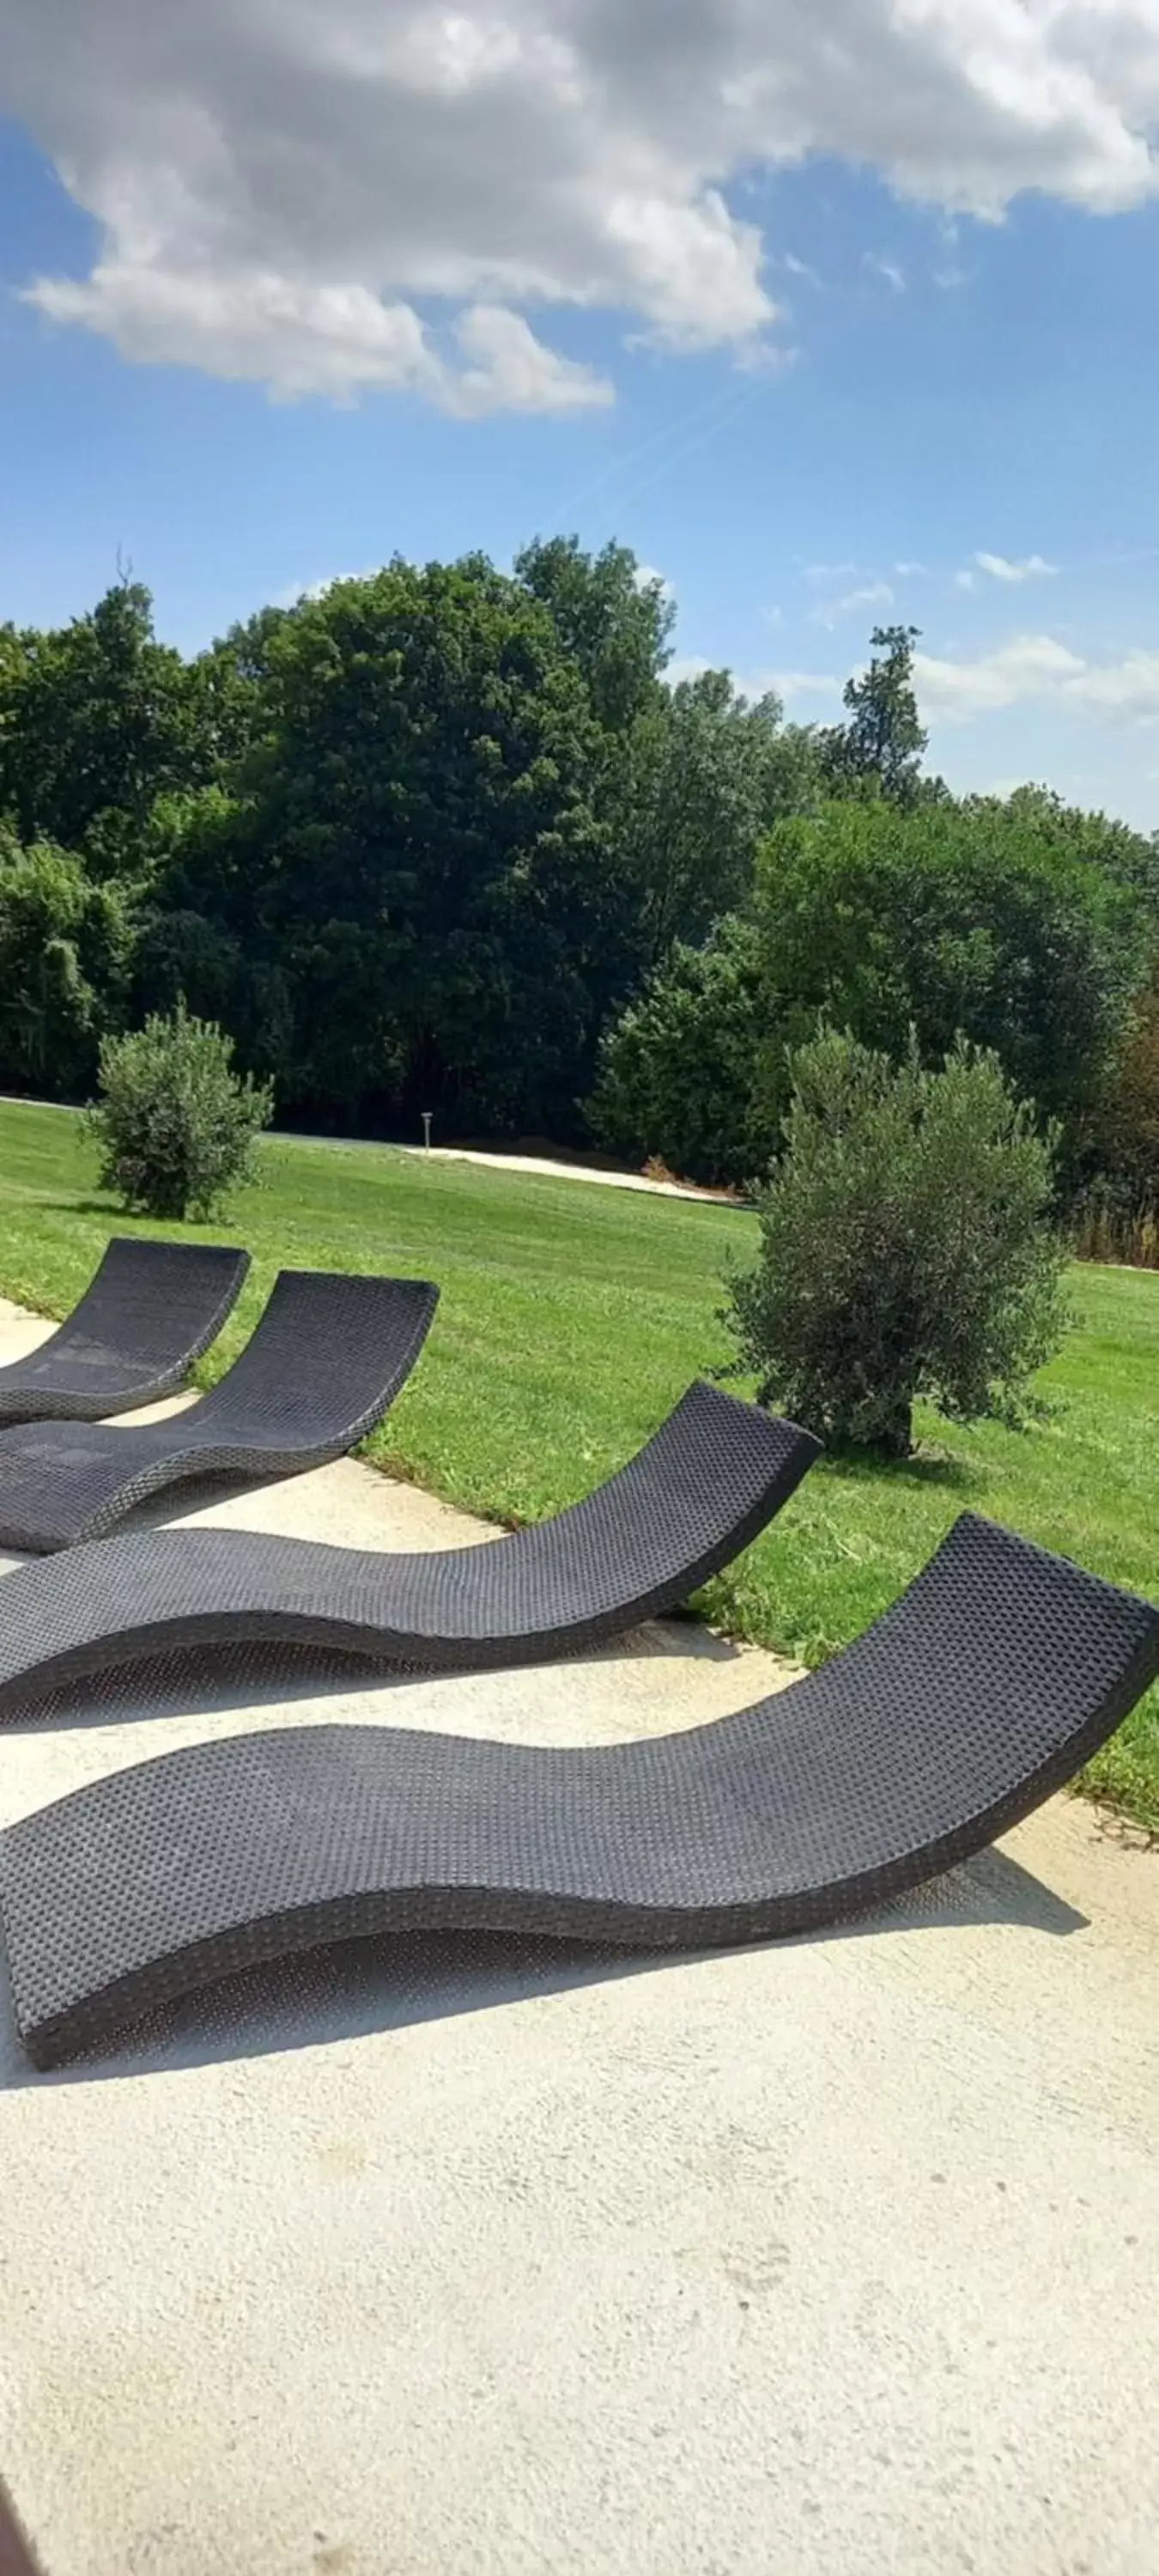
(886, 268)
(334, 195)
(905, 571)
(1126, 692)
(1017, 568)
(294, 337)
(1025, 670)
(336, 340)
(966, 580)
(296, 590)
(646, 573)
(758, 683)
(822, 572)
(1033, 667)
(871, 594)
(799, 268)
(513, 371)
(802, 684)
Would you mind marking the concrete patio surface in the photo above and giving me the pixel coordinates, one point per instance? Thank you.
(503, 2256)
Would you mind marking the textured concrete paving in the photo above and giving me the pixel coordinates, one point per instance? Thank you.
(507, 2257)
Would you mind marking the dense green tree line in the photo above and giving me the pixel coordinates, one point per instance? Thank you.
(413, 842)
(447, 838)
(1005, 920)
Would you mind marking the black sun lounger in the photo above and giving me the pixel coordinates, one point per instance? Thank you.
(321, 1366)
(992, 1679)
(708, 1481)
(149, 1312)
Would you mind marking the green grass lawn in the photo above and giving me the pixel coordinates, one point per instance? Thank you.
(573, 1316)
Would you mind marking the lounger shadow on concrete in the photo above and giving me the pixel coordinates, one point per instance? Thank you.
(992, 1679)
(321, 1366)
(150, 1310)
(708, 1481)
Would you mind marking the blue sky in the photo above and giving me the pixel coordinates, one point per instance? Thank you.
(828, 336)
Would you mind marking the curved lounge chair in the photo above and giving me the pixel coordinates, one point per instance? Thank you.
(712, 1476)
(150, 1310)
(983, 1688)
(319, 1369)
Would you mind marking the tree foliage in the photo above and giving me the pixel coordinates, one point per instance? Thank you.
(1126, 1127)
(967, 917)
(676, 1072)
(879, 749)
(65, 948)
(981, 918)
(420, 857)
(706, 772)
(99, 719)
(906, 1251)
(611, 619)
(471, 816)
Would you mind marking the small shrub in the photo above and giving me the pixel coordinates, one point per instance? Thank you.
(906, 1248)
(175, 1125)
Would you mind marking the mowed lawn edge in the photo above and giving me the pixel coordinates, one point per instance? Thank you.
(572, 1316)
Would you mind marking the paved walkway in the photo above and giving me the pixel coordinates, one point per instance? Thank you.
(559, 1171)
(494, 2258)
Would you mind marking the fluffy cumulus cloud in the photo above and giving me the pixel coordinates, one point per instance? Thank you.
(509, 369)
(330, 195)
(1033, 667)
(1022, 671)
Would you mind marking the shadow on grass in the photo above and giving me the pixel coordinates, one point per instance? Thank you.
(352, 1989)
(106, 1208)
(133, 1220)
(924, 1468)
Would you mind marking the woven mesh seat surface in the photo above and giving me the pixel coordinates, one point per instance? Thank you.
(714, 1474)
(984, 1687)
(147, 1314)
(320, 1368)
